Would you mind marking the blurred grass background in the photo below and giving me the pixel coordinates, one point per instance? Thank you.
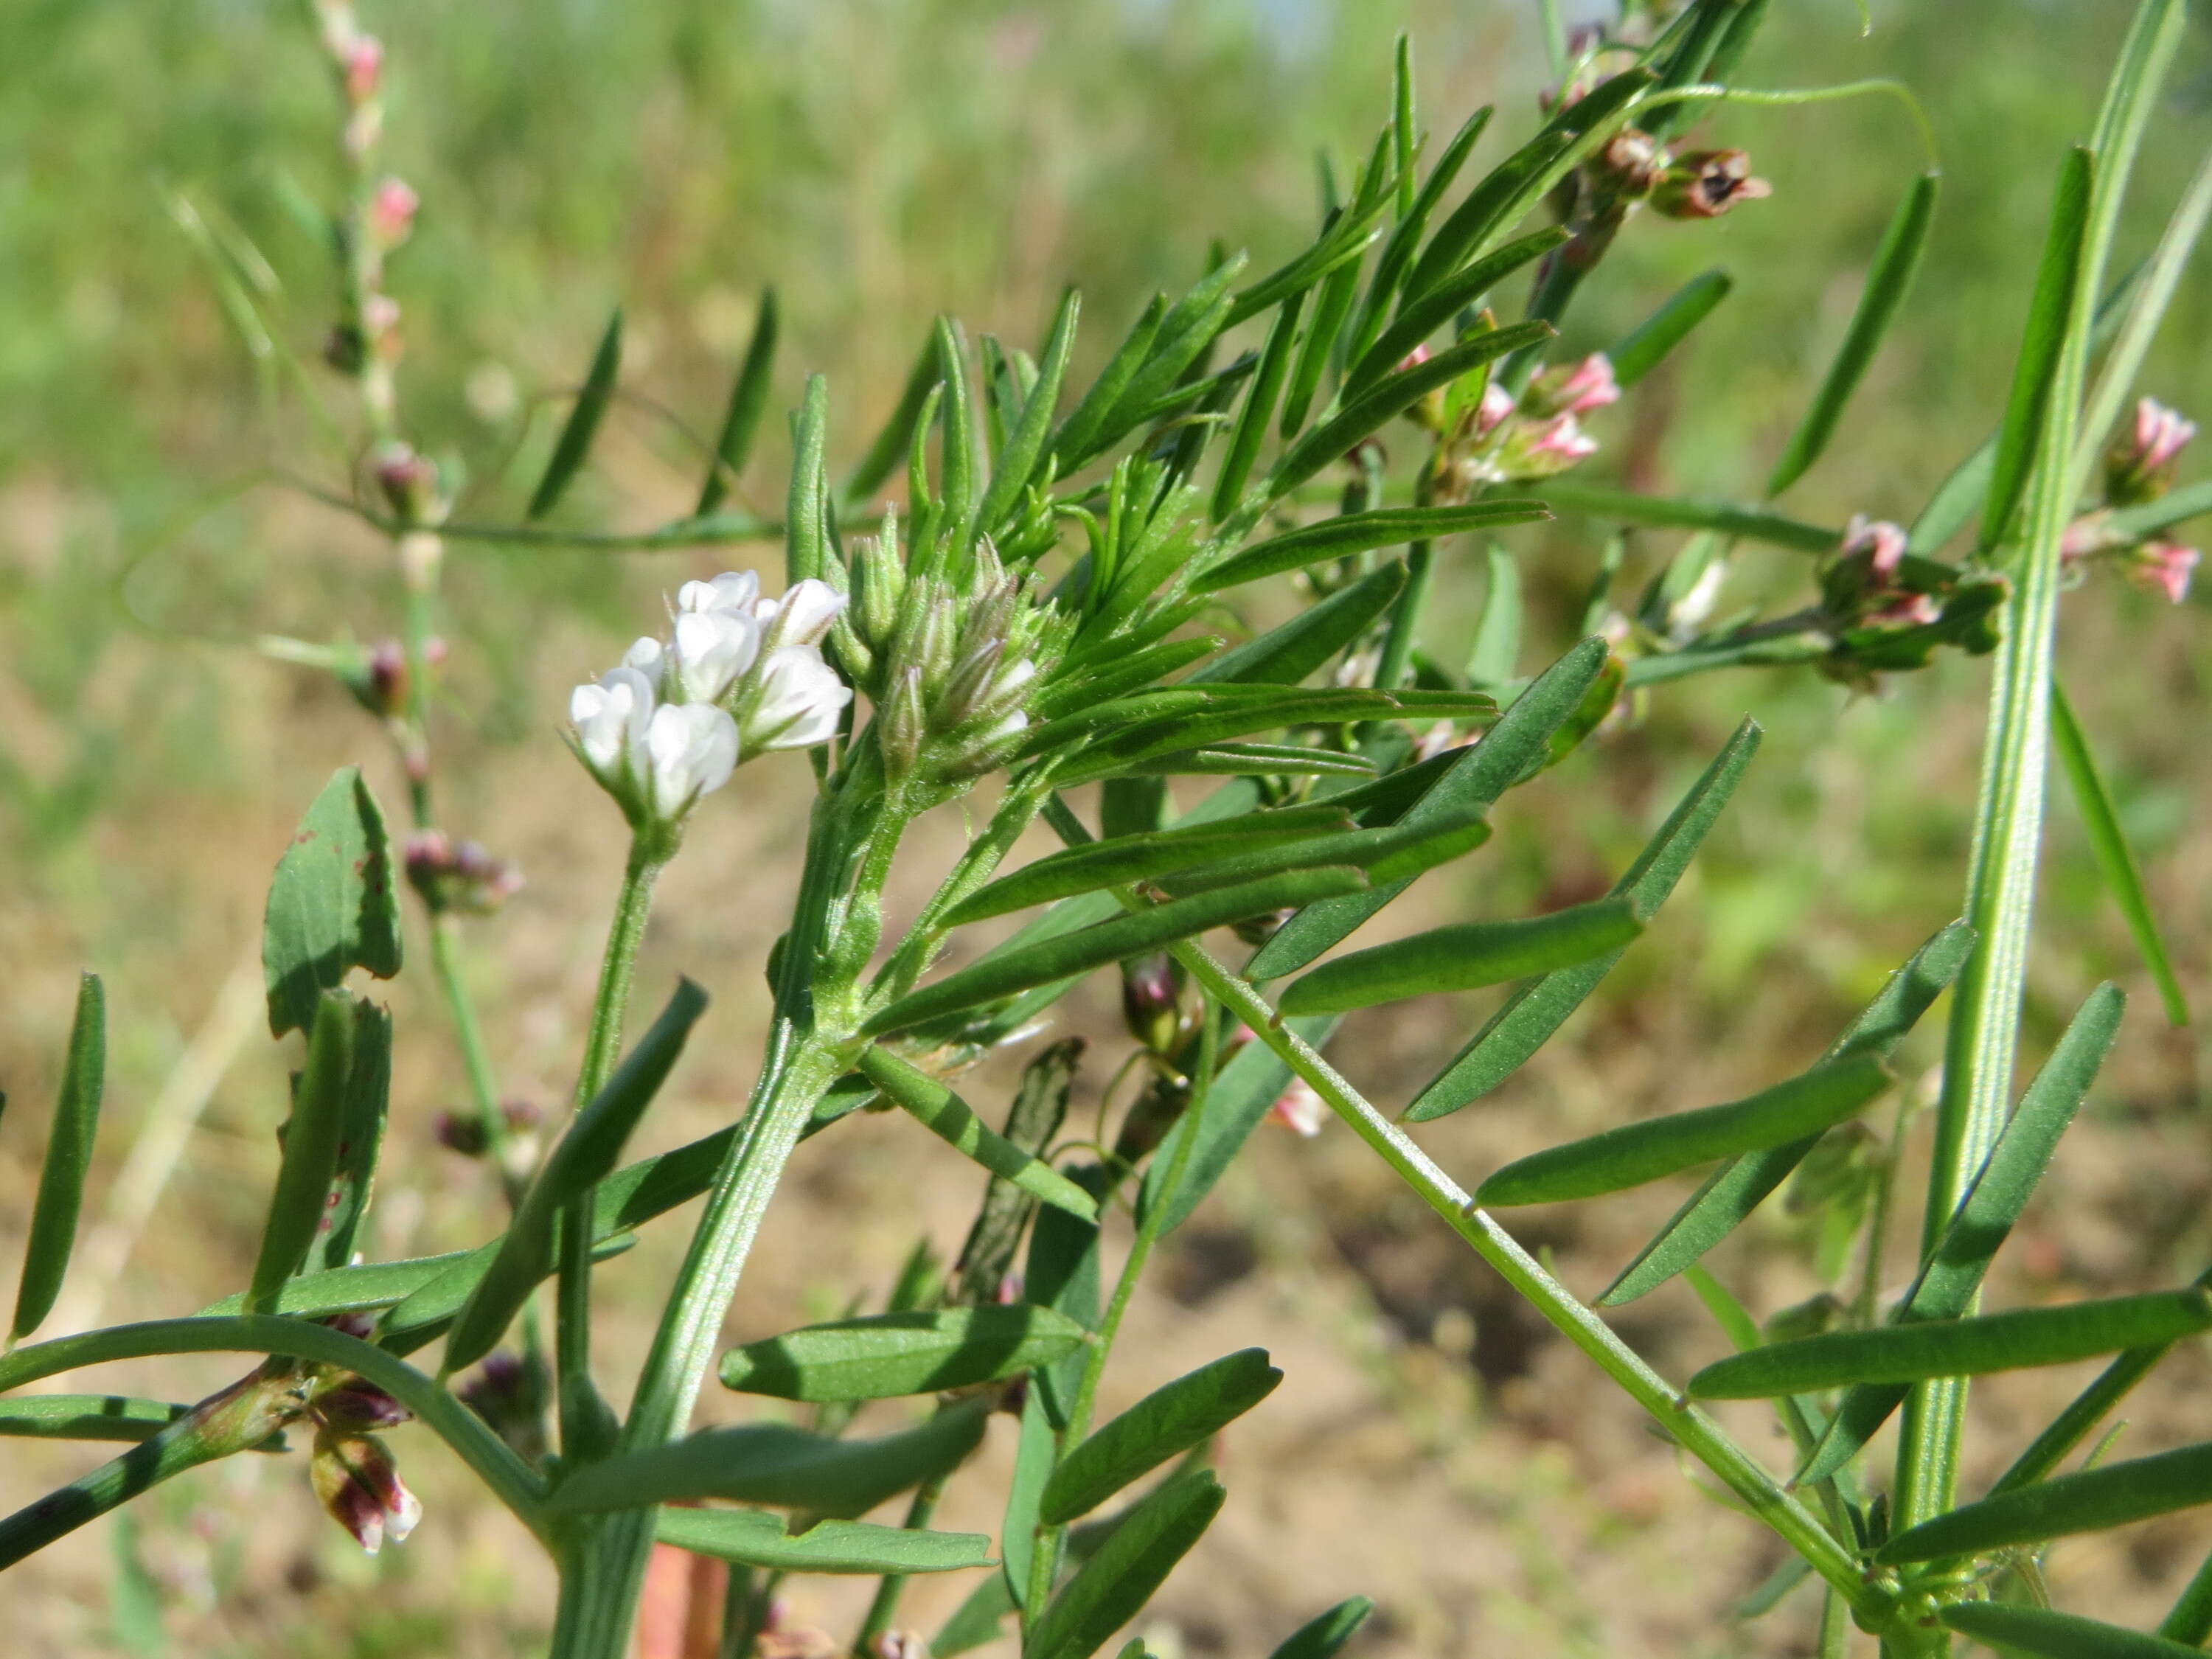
(880, 162)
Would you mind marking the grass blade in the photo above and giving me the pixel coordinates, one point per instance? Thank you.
(1888, 281)
(1636, 1153)
(954, 1121)
(1360, 532)
(585, 1154)
(749, 1538)
(1533, 1012)
(1002, 973)
(2116, 860)
(574, 443)
(748, 403)
(902, 1353)
(1740, 1186)
(2017, 1340)
(1514, 749)
(68, 1162)
(1464, 956)
(1645, 347)
(1164, 1423)
(2093, 1500)
(311, 1137)
(2041, 1633)
(2049, 318)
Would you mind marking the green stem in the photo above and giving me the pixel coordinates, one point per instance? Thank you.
(884, 1607)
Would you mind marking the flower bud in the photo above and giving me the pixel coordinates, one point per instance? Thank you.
(1706, 183)
(2163, 567)
(463, 877)
(901, 1645)
(1573, 388)
(1631, 165)
(1299, 1110)
(461, 1133)
(358, 1483)
(879, 586)
(1879, 542)
(1491, 412)
(1543, 449)
(2140, 466)
(1152, 1001)
(902, 726)
(361, 63)
(410, 483)
(356, 1407)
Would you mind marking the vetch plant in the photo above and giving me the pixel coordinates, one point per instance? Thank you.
(1033, 619)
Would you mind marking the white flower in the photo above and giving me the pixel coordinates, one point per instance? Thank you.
(691, 749)
(609, 717)
(733, 590)
(795, 700)
(802, 616)
(647, 655)
(710, 650)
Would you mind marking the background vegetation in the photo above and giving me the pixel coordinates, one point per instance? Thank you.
(880, 162)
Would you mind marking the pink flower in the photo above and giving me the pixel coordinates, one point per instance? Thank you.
(1496, 403)
(2161, 434)
(1707, 183)
(1299, 1110)
(1541, 449)
(2164, 567)
(1882, 542)
(1576, 388)
(363, 67)
(1907, 611)
(392, 212)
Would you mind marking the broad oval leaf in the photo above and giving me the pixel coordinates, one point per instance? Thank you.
(1323, 1637)
(318, 1124)
(333, 904)
(1464, 956)
(1164, 1423)
(778, 1465)
(585, 1153)
(751, 1538)
(1964, 1347)
(891, 1354)
(575, 440)
(2042, 1633)
(1646, 346)
(68, 1161)
(954, 1121)
(1360, 532)
(1888, 281)
(1110, 1589)
(1535, 1011)
(1647, 1151)
(2112, 1495)
(1046, 960)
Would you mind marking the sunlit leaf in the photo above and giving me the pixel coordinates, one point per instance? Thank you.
(954, 1121)
(333, 904)
(1164, 1423)
(1463, 955)
(748, 402)
(68, 1161)
(574, 443)
(751, 1538)
(890, 1354)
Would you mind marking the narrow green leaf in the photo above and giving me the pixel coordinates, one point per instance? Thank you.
(1514, 749)
(1647, 1151)
(1332, 314)
(585, 1154)
(1533, 1012)
(2116, 860)
(1740, 1186)
(1284, 655)
(1357, 533)
(1463, 955)
(1110, 1589)
(93, 1417)
(954, 1121)
(778, 1465)
(1187, 329)
(361, 1139)
(1235, 1103)
(1231, 760)
(1062, 958)
(888, 1354)
(575, 440)
(1961, 1348)
(1393, 852)
(1325, 1637)
(312, 1135)
(360, 1288)
(1404, 238)
(1952, 1276)
(1164, 1423)
(1342, 244)
(2112, 1495)
(1645, 346)
(958, 465)
(1142, 857)
(1033, 1453)
(749, 1538)
(748, 402)
(1077, 435)
(68, 1161)
(1497, 646)
(2041, 1633)
(896, 438)
(1391, 396)
(333, 904)
(2041, 347)
(1251, 428)
(1889, 279)
(1025, 452)
(1441, 304)
(1724, 518)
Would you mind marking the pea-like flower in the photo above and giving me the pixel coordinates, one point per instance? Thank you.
(709, 650)
(2164, 567)
(655, 759)
(2139, 467)
(1574, 388)
(358, 1483)
(792, 703)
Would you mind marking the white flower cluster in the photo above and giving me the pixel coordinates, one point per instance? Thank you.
(737, 676)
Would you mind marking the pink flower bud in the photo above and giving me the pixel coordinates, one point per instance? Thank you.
(363, 66)
(1490, 415)
(2164, 567)
(359, 1407)
(1152, 1001)
(1543, 449)
(1299, 1110)
(1707, 183)
(1882, 544)
(392, 213)
(1574, 389)
(901, 1645)
(2161, 434)
(358, 1483)
(1413, 359)
(2140, 466)
(1907, 610)
(1632, 163)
